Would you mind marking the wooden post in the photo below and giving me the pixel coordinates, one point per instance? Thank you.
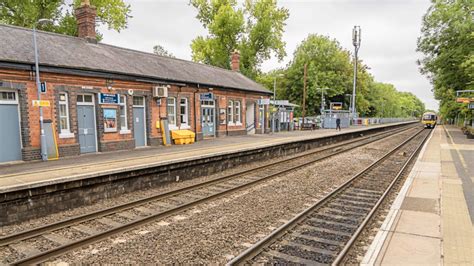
(304, 94)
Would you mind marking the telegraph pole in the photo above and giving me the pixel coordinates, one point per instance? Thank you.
(356, 42)
(304, 93)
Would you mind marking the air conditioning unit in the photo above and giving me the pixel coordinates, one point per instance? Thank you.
(160, 91)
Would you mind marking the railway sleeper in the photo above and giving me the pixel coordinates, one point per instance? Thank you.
(362, 195)
(352, 203)
(322, 251)
(360, 199)
(342, 212)
(332, 226)
(321, 240)
(284, 259)
(339, 219)
(307, 255)
(345, 208)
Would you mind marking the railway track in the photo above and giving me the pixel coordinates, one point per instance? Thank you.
(325, 232)
(63, 236)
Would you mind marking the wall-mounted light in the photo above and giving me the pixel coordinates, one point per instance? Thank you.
(109, 84)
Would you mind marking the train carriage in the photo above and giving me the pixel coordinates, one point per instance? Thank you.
(429, 119)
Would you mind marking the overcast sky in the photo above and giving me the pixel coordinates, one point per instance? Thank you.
(389, 32)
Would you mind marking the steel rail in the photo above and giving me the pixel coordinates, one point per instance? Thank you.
(54, 252)
(257, 248)
(6, 240)
(387, 191)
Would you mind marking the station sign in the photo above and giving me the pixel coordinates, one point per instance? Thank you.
(464, 100)
(263, 101)
(40, 103)
(43, 87)
(107, 98)
(207, 96)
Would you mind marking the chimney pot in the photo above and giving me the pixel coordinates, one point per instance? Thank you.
(235, 61)
(85, 16)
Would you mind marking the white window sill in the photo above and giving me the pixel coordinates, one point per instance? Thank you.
(111, 130)
(66, 135)
(125, 131)
(230, 124)
(172, 127)
(238, 124)
(185, 127)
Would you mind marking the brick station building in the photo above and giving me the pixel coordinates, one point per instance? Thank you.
(102, 97)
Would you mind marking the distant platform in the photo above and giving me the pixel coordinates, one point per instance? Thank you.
(34, 174)
(431, 221)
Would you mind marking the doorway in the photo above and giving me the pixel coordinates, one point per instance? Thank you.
(139, 129)
(86, 123)
(208, 118)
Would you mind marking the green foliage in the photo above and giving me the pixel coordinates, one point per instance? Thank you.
(447, 41)
(113, 13)
(255, 30)
(330, 66)
(160, 50)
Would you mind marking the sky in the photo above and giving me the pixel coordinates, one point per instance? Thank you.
(389, 33)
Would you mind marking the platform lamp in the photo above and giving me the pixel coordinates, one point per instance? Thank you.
(44, 152)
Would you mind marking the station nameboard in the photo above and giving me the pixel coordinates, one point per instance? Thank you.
(207, 96)
(263, 101)
(107, 98)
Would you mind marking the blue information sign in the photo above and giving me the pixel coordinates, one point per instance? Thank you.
(106, 98)
(206, 96)
(43, 87)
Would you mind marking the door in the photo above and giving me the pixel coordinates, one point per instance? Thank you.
(10, 149)
(208, 119)
(86, 126)
(139, 126)
(250, 118)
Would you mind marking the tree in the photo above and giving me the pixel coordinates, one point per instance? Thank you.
(160, 50)
(256, 30)
(328, 66)
(113, 13)
(446, 41)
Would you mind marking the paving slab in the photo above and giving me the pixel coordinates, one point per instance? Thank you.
(430, 222)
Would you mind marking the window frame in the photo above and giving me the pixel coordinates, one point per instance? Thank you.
(230, 112)
(184, 122)
(238, 105)
(123, 105)
(64, 133)
(173, 105)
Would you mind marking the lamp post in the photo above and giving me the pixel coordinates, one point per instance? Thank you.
(44, 152)
(274, 100)
(356, 42)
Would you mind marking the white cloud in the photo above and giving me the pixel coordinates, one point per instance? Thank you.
(389, 32)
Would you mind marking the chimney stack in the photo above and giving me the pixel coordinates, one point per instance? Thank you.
(85, 16)
(235, 61)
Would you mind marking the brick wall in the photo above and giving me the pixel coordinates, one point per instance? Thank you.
(68, 144)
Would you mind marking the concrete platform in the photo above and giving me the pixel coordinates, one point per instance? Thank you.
(32, 190)
(34, 174)
(431, 221)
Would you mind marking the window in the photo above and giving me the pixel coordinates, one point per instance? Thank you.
(140, 101)
(84, 98)
(7, 96)
(171, 109)
(123, 113)
(230, 112)
(183, 111)
(64, 125)
(63, 114)
(237, 112)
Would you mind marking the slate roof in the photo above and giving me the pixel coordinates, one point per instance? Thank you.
(56, 50)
